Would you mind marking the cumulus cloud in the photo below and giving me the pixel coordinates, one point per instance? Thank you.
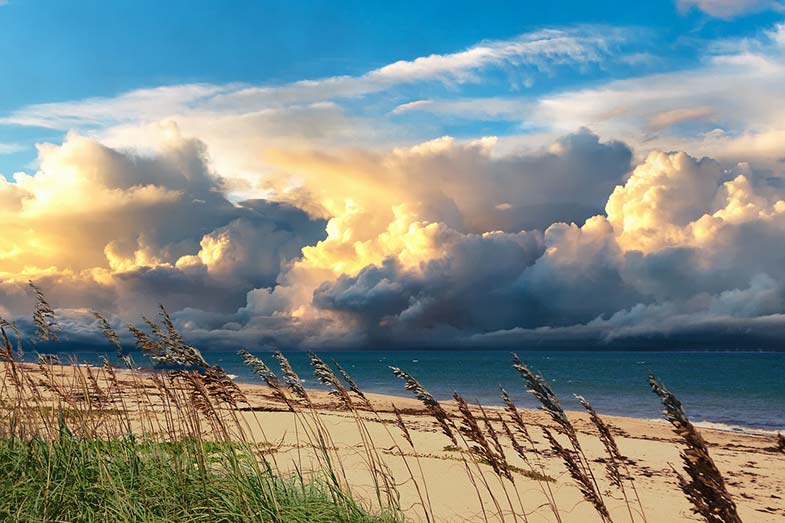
(439, 244)
(401, 257)
(675, 255)
(463, 183)
(104, 228)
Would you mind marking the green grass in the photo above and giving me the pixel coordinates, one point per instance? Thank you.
(94, 480)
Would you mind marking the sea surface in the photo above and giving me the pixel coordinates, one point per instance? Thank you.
(730, 390)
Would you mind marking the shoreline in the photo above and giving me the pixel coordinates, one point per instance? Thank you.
(753, 466)
(722, 394)
(703, 424)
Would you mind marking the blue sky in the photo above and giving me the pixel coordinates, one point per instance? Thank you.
(59, 51)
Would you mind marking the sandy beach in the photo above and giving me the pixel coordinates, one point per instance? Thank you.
(752, 465)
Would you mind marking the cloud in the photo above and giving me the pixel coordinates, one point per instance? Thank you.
(730, 8)
(539, 49)
(722, 108)
(636, 212)
(143, 104)
(481, 109)
(665, 119)
(10, 148)
(462, 183)
(676, 255)
(103, 228)
(529, 53)
(400, 259)
(719, 107)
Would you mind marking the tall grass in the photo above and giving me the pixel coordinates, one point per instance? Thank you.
(124, 479)
(186, 443)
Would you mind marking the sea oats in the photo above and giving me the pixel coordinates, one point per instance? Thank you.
(353, 386)
(291, 379)
(432, 406)
(540, 389)
(44, 316)
(481, 447)
(705, 487)
(109, 332)
(327, 377)
(576, 470)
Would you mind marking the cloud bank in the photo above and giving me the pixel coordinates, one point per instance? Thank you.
(436, 245)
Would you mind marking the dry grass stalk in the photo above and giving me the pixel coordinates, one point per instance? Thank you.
(353, 386)
(401, 425)
(43, 316)
(616, 460)
(222, 388)
(260, 369)
(705, 487)
(15, 329)
(780, 442)
(481, 447)
(585, 483)
(109, 332)
(609, 442)
(291, 379)
(575, 460)
(382, 480)
(517, 419)
(433, 407)
(540, 389)
(449, 429)
(327, 377)
(7, 356)
(169, 347)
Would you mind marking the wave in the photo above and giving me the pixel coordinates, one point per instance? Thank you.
(728, 427)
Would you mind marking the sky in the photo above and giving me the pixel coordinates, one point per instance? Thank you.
(384, 175)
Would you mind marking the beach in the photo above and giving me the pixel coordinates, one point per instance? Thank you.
(753, 467)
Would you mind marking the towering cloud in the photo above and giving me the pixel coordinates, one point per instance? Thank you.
(440, 244)
(99, 227)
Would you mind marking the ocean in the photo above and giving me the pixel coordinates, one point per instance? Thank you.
(730, 390)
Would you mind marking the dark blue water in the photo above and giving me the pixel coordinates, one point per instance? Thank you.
(731, 388)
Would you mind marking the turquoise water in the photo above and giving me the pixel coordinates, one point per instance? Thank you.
(730, 388)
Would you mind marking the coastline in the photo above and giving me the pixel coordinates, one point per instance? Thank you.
(753, 466)
(732, 390)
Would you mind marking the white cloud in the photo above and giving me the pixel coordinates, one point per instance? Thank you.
(539, 49)
(9, 148)
(144, 105)
(730, 8)
(728, 106)
(530, 53)
(491, 108)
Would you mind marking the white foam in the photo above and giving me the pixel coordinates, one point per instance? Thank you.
(727, 427)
